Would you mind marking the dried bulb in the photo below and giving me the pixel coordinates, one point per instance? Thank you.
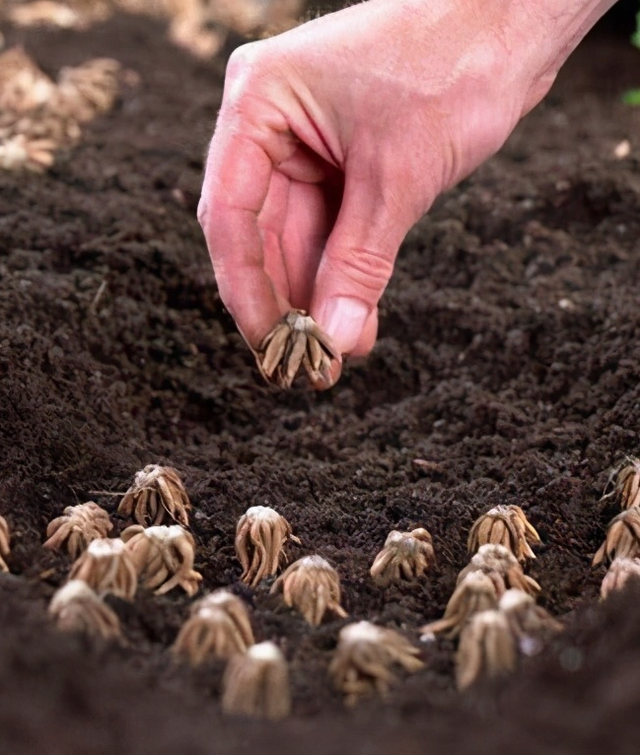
(311, 586)
(473, 594)
(218, 627)
(77, 527)
(5, 541)
(364, 658)
(163, 557)
(157, 496)
(487, 649)
(621, 571)
(623, 537)
(405, 555)
(500, 564)
(106, 566)
(507, 526)
(261, 534)
(75, 607)
(256, 683)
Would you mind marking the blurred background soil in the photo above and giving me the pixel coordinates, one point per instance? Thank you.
(508, 360)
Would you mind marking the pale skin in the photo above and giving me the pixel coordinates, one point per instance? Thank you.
(334, 138)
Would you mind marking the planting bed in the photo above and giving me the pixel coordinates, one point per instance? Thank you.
(508, 360)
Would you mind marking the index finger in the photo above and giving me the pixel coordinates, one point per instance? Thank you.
(235, 187)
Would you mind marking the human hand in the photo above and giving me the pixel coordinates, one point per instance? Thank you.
(334, 138)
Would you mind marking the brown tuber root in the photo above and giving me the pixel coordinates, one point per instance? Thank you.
(106, 566)
(623, 537)
(256, 683)
(473, 594)
(487, 649)
(75, 607)
(507, 526)
(5, 544)
(405, 555)
(39, 116)
(163, 557)
(530, 624)
(502, 567)
(261, 535)
(156, 496)
(311, 586)
(218, 627)
(77, 527)
(363, 659)
(626, 489)
(294, 341)
(621, 571)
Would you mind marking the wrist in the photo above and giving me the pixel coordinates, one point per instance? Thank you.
(558, 26)
(537, 36)
(547, 32)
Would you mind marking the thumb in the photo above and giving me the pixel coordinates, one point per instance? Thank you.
(355, 269)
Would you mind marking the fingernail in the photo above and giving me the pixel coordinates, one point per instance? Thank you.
(343, 320)
(329, 380)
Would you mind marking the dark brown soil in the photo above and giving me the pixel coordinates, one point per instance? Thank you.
(509, 355)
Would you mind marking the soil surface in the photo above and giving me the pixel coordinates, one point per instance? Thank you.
(508, 359)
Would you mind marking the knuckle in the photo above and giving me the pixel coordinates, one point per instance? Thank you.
(248, 66)
(241, 60)
(202, 213)
(367, 268)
